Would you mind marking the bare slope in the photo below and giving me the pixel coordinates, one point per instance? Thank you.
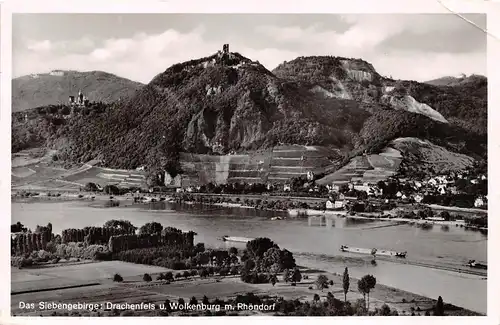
(410, 156)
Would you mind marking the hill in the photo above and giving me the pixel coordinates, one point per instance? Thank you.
(226, 103)
(454, 81)
(55, 88)
(462, 104)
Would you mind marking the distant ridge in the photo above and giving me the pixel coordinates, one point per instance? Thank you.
(55, 87)
(455, 81)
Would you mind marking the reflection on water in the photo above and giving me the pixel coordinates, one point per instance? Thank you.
(313, 245)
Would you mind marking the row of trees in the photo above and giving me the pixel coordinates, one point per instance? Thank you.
(268, 203)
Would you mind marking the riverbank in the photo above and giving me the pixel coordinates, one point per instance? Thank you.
(21, 196)
(135, 290)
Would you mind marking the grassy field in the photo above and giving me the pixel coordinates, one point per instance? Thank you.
(134, 290)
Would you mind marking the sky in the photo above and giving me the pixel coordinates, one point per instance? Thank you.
(139, 46)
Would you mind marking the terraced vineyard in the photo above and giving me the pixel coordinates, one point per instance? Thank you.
(366, 168)
(274, 165)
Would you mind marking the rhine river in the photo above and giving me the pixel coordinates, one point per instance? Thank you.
(313, 246)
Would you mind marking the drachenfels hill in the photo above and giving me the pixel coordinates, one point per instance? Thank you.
(228, 103)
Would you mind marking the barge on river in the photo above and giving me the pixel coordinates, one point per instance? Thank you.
(235, 239)
(372, 251)
(473, 264)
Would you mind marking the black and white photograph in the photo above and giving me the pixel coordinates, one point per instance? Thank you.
(248, 164)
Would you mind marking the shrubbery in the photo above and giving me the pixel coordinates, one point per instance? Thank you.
(78, 250)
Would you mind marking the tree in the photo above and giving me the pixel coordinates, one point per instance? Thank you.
(287, 261)
(296, 275)
(345, 283)
(111, 190)
(205, 300)
(147, 277)
(120, 224)
(258, 246)
(330, 298)
(151, 228)
(193, 301)
(18, 227)
(445, 215)
(321, 282)
(385, 310)
(233, 251)
(273, 279)
(90, 187)
(439, 308)
(365, 284)
(286, 275)
(316, 298)
(344, 188)
(169, 276)
(117, 278)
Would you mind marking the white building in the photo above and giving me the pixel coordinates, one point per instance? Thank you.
(418, 198)
(479, 202)
(362, 188)
(333, 188)
(435, 219)
(287, 188)
(57, 73)
(339, 204)
(432, 182)
(329, 205)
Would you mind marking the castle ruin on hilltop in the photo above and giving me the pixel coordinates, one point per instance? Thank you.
(80, 100)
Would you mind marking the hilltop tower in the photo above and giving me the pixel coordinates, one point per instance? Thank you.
(80, 97)
(225, 48)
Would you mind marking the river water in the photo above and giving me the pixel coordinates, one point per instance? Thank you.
(312, 245)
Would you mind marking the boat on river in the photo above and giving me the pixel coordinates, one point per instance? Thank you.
(473, 264)
(235, 239)
(372, 251)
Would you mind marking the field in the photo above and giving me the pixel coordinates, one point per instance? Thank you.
(101, 289)
(39, 173)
